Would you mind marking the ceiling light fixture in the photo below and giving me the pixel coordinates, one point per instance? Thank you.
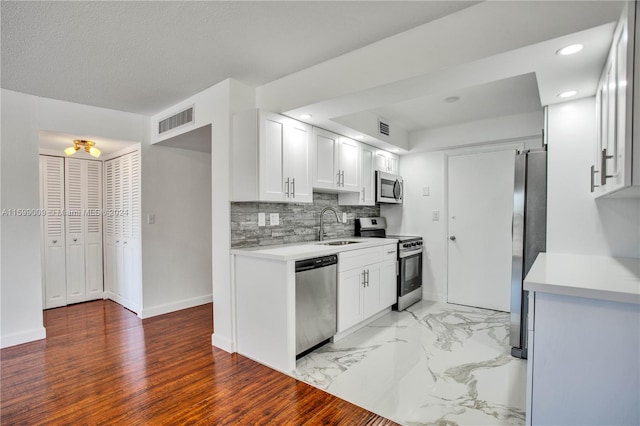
(568, 94)
(305, 116)
(452, 99)
(89, 147)
(570, 50)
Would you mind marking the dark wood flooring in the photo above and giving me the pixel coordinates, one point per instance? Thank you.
(101, 364)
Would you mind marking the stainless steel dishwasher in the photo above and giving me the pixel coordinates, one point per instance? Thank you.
(316, 300)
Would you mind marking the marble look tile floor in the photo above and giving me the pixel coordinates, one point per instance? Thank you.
(432, 364)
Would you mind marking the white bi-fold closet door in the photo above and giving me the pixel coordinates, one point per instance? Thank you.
(123, 282)
(71, 191)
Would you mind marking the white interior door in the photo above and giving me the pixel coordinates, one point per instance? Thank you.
(52, 187)
(480, 191)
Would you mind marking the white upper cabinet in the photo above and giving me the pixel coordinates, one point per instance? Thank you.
(336, 161)
(617, 162)
(386, 162)
(366, 195)
(271, 158)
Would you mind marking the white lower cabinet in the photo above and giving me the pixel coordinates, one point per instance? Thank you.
(366, 285)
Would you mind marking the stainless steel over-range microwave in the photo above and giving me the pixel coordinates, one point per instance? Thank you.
(388, 188)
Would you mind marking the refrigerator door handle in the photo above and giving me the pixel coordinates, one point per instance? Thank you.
(517, 230)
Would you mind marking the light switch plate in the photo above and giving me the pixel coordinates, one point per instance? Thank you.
(274, 219)
(425, 191)
(435, 215)
(261, 219)
(151, 218)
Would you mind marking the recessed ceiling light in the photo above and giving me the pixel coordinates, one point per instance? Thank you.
(570, 50)
(452, 99)
(360, 137)
(568, 94)
(305, 116)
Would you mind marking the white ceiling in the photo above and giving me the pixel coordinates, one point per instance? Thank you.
(146, 56)
(498, 57)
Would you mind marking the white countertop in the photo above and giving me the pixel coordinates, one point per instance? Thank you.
(310, 249)
(615, 279)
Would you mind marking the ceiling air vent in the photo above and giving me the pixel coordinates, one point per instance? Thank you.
(175, 121)
(383, 128)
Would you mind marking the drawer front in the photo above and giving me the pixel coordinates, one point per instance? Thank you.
(358, 258)
(390, 252)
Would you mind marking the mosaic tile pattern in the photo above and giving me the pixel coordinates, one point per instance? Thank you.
(298, 222)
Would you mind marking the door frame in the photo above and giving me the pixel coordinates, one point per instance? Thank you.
(515, 145)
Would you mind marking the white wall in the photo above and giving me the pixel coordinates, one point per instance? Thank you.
(426, 166)
(176, 249)
(477, 133)
(22, 118)
(576, 223)
(20, 286)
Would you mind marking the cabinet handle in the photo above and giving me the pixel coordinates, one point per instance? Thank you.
(293, 187)
(367, 278)
(338, 174)
(390, 251)
(342, 174)
(363, 197)
(364, 280)
(287, 191)
(125, 242)
(593, 179)
(117, 241)
(604, 176)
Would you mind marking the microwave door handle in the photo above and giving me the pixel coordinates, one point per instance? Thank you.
(397, 190)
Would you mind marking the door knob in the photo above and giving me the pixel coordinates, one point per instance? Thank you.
(452, 238)
(75, 239)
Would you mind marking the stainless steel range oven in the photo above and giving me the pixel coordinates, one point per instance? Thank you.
(409, 259)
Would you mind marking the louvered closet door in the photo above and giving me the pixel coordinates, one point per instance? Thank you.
(52, 188)
(92, 222)
(135, 216)
(74, 184)
(110, 273)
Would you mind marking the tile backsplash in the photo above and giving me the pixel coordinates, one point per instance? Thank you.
(298, 222)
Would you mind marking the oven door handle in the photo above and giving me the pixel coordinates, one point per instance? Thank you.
(406, 254)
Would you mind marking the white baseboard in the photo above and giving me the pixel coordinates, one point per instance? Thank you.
(341, 335)
(434, 297)
(124, 302)
(175, 306)
(222, 342)
(23, 337)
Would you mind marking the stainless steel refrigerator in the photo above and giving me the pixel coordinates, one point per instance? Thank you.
(529, 237)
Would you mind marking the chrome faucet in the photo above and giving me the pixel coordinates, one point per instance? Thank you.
(322, 220)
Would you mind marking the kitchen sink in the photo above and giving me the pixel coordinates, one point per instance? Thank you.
(339, 243)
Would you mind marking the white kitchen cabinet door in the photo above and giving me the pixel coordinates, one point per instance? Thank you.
(616, 146)
(388, 284)
(366, 196)
(272, 152)
(386, 162)
(54, 249)
(371, 290)
(325, 170)
(349, 164)
(297, 157)
(350, 298)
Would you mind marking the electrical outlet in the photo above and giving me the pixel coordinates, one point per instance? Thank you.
(425, 191)
(435, 215)
(344, 217)
(151, 218)
(261, 219)
(274, 219)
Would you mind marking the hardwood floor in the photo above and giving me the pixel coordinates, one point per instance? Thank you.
(101, 364)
